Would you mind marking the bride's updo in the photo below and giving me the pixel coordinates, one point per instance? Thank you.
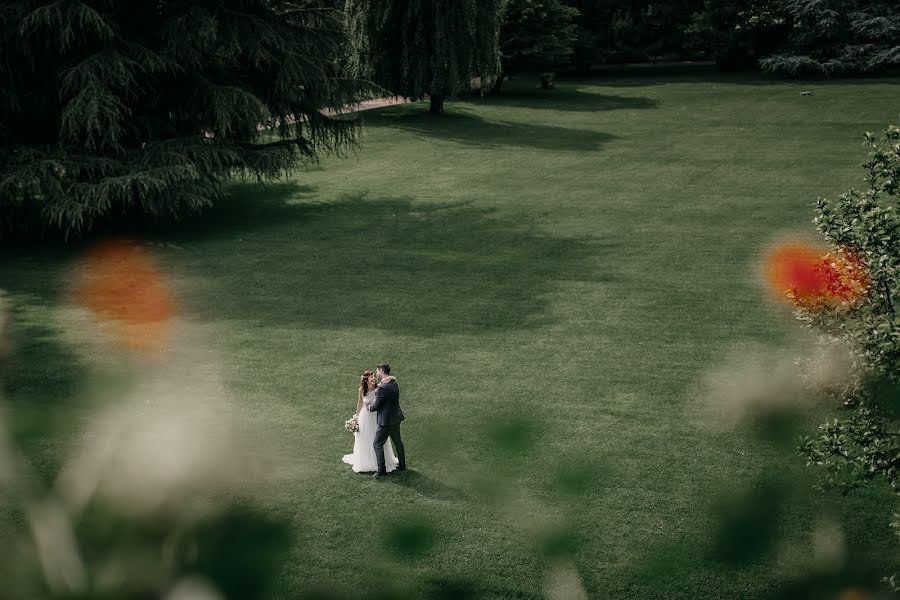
(364, 382)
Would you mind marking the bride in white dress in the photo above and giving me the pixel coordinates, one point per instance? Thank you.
(363, 458)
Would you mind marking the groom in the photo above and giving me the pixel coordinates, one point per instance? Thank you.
(387, 404)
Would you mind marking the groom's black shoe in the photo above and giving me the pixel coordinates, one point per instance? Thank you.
(379, 474)
(403, 468)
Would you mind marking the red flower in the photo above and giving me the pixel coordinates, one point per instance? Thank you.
(812, 280)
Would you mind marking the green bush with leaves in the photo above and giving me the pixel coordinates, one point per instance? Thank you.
(863, 443)
(112, 107)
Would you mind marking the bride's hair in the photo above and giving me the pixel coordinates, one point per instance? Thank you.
(364, 382)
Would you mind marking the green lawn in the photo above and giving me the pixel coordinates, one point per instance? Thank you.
(552, 275)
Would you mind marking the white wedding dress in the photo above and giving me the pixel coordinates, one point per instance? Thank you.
(363, 458)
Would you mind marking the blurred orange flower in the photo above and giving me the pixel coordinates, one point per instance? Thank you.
(811, 279)
(121, 284)
(853, 594)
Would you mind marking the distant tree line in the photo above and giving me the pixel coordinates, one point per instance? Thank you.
(789, 37)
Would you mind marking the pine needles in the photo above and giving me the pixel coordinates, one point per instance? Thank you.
(114, 107)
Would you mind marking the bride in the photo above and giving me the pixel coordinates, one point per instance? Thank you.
(363, 458)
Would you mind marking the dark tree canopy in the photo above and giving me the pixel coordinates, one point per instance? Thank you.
(113, 107)
(613, 31)
(738, 33)
(418, 48)
(839, 37)
(537, 34)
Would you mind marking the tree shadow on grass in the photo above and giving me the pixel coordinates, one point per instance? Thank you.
(462, 127)
(41, 382)
(276, 256)
(569, 97)
(649, 77)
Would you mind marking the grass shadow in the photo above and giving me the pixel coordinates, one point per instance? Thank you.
(276, 256)
(425, 486)
(462, 127)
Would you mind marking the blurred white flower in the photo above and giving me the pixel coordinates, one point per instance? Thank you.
(829, 549)
(756, 380)
(193, 588)
(170, 445)
(54, 541)
(564, 583)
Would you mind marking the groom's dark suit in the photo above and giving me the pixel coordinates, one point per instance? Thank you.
(387, 404)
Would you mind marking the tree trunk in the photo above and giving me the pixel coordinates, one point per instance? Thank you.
(498, 84)
(437, 103)
(582, 63)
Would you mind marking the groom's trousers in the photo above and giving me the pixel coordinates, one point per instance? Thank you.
(382, 433)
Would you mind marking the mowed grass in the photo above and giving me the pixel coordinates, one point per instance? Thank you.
(553, 277)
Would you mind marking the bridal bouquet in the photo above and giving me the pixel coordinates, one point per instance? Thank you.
(351, 424)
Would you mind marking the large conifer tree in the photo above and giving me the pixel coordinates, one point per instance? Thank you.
(110, 107)
(416, 48)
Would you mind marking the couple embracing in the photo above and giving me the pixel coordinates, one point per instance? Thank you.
(378, 418)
